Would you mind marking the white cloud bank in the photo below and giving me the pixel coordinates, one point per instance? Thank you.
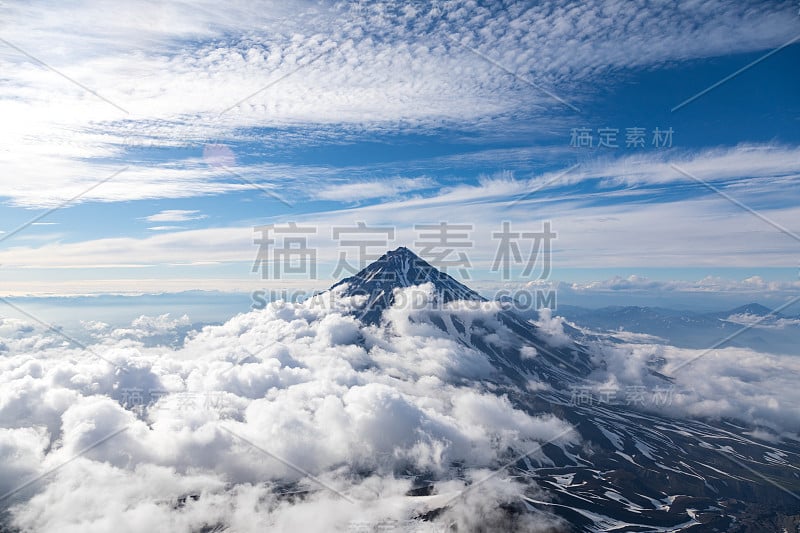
(757, 388)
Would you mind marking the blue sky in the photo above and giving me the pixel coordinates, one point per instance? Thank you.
(398, 114)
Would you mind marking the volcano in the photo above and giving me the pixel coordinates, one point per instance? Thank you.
(635, 470)
(379, 282)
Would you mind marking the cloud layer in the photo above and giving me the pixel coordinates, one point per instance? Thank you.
(302, 399)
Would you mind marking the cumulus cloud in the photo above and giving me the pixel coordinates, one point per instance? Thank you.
(733, 383)
(149, 326)
(553, 328)
(293, 416)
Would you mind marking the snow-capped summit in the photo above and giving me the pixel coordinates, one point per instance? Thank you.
(397, 269)
(403, 268)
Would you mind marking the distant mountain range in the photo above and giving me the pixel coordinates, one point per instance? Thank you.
(634, 471)
(770, 332)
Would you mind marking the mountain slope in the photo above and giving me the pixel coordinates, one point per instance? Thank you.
(634, 471)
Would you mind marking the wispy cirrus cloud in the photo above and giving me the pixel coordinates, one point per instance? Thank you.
(609, 225)
(389, 66)
(165, 228)
(366, 190)
(175, 215)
